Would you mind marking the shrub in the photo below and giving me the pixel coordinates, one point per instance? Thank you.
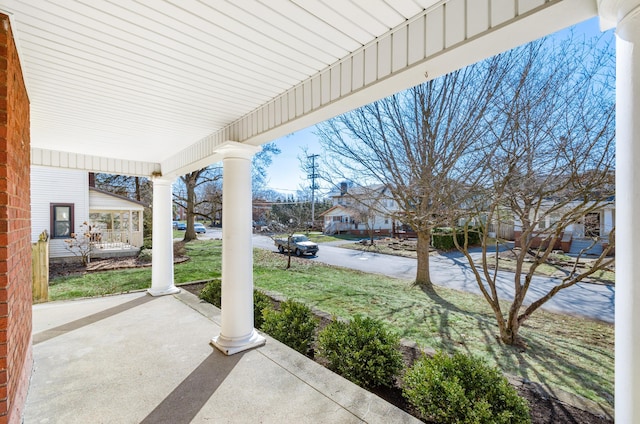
(362, 351)
(260, 302)
(147, 243)
(293, 325)
(212, 293)
(442, 238)
(145, 255)
(462, 389)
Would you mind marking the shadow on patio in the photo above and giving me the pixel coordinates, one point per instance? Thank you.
(134, 358)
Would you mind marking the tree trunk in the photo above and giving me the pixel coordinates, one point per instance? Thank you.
(509, 332)
(138, 189)
(190, 182)
(423, 276)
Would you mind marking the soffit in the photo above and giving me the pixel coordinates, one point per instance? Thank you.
(145, 79)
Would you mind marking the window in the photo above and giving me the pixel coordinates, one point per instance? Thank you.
(61, 220)
(542, 223)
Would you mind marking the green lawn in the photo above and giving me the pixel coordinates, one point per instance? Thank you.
(572, 354)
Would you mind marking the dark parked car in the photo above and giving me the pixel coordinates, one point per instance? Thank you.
(181, 226)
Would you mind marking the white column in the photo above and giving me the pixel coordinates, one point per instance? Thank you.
(237, 333)
(625, 15)
(608, 221)
(162, 257)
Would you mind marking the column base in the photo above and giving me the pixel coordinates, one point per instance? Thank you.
(163, 292)
(231, 347)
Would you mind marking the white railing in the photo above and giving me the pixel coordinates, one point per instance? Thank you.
(117, 239)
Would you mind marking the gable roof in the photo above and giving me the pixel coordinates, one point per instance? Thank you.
(329, 212)
(114, 201)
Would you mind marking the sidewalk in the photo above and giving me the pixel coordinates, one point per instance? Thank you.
(138, 359)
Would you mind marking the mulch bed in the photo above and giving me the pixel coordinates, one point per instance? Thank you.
(67, 269)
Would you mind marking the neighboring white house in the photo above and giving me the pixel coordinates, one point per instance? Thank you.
(595, 225)
(62, 202)
(358, 210)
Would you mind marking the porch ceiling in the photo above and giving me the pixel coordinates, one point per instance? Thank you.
(135, 86)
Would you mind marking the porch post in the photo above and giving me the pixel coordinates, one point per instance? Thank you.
(625, 16)
(237, 333)
(162, 257)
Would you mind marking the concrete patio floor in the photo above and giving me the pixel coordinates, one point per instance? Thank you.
(139, 359)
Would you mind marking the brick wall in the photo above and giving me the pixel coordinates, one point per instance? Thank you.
(15, 232)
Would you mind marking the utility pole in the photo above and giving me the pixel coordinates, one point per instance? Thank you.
(312, 175)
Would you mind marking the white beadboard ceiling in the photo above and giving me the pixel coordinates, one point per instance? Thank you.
(142, 80)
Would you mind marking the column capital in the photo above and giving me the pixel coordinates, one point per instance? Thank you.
(233, 149)
(614, 12)
(161, 180)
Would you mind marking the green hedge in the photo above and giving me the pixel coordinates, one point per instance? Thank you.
(442, 238)
(362, 351)
(462, 389)
(294, 325)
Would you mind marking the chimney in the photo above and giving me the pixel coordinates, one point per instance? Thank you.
(343, 188)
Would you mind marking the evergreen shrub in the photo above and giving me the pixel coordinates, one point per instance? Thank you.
(462, 389)
(442, 238)
(362, 351)
(212, 293)
(294, 325)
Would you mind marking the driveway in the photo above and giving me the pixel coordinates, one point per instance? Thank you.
(451, 270)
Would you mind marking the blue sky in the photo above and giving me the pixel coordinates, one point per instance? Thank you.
(285, 175)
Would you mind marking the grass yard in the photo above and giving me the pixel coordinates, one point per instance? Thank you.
(572, 354)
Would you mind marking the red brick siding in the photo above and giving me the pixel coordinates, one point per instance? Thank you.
(15, 232)
(538, 241)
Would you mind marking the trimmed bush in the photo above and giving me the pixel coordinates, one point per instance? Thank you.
(145, 255)
(462, 389)
(362, 351)
(260, 302)
(293, 325)
(212, 293)
(442, 238)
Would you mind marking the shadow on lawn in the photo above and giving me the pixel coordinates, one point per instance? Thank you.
(566, 361)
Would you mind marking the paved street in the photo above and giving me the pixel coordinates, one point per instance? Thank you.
(451, 270)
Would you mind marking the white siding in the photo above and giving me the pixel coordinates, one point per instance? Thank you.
(104, 202)
(51, 185)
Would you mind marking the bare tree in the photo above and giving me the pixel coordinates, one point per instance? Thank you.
(201, 193)
(192, 197)
(137, 188)
(550, 161)
(418, 143)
